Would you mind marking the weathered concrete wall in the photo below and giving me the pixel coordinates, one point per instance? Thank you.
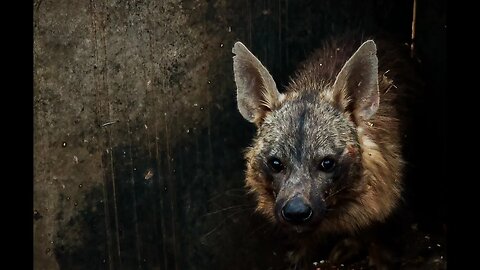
(124, 97)
(138, 142)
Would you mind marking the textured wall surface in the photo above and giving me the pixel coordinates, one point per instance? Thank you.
(138, 142)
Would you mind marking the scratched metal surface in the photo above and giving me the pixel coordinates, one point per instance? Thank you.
(138, 143)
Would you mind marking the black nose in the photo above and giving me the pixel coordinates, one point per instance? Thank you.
(296, 211)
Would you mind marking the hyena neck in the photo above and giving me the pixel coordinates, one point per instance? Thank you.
(382, 166)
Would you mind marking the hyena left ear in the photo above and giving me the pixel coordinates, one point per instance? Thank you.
(256, 90)
(356, 85)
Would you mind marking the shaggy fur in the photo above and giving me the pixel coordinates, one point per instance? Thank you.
(341, 103)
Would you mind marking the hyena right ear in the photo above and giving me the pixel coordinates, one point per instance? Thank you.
(356, 85)
(257, 92)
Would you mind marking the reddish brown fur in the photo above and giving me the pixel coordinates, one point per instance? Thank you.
(376, 148)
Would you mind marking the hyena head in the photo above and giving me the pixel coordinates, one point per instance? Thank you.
(314, 164)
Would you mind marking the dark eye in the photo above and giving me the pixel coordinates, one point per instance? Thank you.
(275, 164)
(327, 164)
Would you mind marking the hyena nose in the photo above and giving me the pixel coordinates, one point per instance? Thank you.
(296, 211)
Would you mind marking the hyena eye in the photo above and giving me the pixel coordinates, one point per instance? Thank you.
(275, 164)
(327, 164)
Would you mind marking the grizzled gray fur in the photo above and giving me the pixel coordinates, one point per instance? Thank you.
(327, 156)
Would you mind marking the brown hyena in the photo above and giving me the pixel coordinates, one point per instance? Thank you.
(326, 157)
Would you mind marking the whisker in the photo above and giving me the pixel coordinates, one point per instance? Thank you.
(229, 208)
(335, 193)
(240, 192)
(203, 237)
(228, 192)
(262, 226)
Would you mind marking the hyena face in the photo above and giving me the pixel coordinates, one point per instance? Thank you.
(304, 153)
(313, 163)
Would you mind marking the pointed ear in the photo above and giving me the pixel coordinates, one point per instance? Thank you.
(256, 90)
(356, 85)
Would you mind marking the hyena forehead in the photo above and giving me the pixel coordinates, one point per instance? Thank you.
(307, 126)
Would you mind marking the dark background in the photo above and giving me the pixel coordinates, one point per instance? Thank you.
(138, 160)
